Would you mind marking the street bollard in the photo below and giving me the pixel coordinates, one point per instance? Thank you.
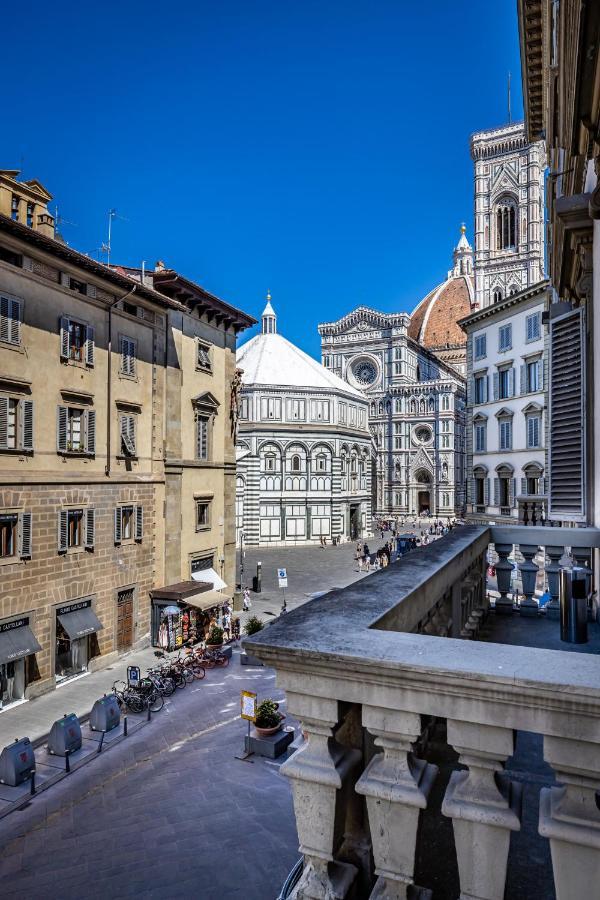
(149, 713)
(125, 726)
(67, 761)
(33, 782)
(101, 742)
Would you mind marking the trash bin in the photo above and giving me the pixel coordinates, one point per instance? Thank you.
(105, 714)
(65, 736)
(573, 606)
(17, 762)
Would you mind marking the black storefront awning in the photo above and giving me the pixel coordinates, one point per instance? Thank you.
(79, 622)
(17, 642)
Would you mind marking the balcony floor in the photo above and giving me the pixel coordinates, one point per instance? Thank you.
(536, 632)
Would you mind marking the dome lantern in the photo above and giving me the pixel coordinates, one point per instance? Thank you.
(269, 319)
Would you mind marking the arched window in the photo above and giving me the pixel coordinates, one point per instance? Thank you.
(321, 462)
(513, 289)
(506, 225)
(497, 295)
(270, 462)
(296, 464)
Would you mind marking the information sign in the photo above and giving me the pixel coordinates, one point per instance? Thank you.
(133, 675)
(248, 705)
(282, 576)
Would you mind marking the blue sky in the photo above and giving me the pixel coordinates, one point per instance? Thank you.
(318, 149)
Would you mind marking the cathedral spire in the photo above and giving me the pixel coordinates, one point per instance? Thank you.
(269, 319)
(463, 255)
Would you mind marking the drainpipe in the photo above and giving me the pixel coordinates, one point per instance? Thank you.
(109, 377)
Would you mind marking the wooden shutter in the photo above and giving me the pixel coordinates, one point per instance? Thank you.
(128, 434)
(486, 388)
(567, 417)
(10, 320)
(523, 486)
(24, 536)
(64, 338)
(90, 431)
(65, 279)
(26, 424)
(62, 422)
(89, 523)
(470, 391)
(89, 346)
(511, 382)
(496, 492)
(118, 523)
(91, 291)
(63, 526)
(139, 523)
(512, 490)
(524, 379)
(543, 482)
(4, 402)
(496, 385)
(540, 366)
(486, 491)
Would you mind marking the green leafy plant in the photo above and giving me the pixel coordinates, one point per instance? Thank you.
(215, 635)
(253, 625)
(267, 714)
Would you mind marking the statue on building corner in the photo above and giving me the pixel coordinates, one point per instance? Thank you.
(234, 405)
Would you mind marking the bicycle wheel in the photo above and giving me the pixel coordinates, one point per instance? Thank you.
(208, 662)
(188, 675)
(179, 678)
(135, 703)
(168, 686)
(155, 701)
(222, 660)
(199, 671)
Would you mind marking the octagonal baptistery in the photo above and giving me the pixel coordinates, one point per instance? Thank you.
(304, 451)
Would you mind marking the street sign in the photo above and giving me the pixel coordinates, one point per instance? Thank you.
(282, 576)
(248, 705)
(133, 675)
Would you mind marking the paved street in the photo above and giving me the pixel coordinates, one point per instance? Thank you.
(168, 813)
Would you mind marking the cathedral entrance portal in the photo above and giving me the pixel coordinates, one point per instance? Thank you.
(355, 529)
(424, 502)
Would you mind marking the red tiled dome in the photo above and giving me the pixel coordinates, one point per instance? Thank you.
(434, 321)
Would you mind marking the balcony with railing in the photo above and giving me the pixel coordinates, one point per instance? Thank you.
(411, 708)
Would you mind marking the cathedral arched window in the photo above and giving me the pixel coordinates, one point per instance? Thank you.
(513, 289)
(506, 225)
(497, 296)
(296, 465)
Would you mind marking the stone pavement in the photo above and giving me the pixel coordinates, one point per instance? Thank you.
(168, 813)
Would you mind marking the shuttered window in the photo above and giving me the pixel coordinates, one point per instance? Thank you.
(479, 346)
(10, 320)
(128, 357)
(505, 337)
(480, 437)
(533, 328)
(75, 430)
(76, 528)
(505, 428)
(76, 342)
(16, 424)
(567, 417)
(127, 428)
(15, 535)
(129, 523)
(534, 429)
(202, 426)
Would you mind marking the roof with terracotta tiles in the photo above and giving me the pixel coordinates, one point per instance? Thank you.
(434, 322)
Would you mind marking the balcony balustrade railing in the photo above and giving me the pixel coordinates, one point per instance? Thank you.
(364, 668)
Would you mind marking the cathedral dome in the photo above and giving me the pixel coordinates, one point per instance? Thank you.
(434, 321)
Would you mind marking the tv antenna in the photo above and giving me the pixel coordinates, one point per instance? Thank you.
(60, 220)
(106, 247)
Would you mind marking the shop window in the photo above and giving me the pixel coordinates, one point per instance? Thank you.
(128, 357)
(128, 524)
(16, 424)
(203, 360)
(76, 430)
(15, 535)
(76, 342)
(10, 320)
(76, 641)
(202, 515)
(76, 528)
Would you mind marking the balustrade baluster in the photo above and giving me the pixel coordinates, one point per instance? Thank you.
(504, 604)
(570, 818)
(529, 572)
(484, 807)
(554, 554)
(396, 785)
(319, 771)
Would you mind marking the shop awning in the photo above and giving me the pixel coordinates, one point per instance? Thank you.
(209, 576)
(80, 622)
(207, 599)
(15, 643)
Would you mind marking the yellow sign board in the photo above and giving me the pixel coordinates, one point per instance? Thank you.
(248, 705)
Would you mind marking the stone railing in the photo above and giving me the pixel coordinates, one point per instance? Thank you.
(533, 510)
(364, 673)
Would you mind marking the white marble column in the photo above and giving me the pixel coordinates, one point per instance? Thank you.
(570, 818)
(483, 809)
(319, 771)
(396, 785)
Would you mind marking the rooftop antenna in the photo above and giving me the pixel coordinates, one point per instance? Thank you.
(509, 112)
(105, 248)
(60, 220)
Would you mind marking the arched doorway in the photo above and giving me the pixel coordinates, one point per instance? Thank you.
(423, 492)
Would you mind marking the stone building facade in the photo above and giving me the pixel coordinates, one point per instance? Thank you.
(304, 447)
(409, 369)
(86, 378)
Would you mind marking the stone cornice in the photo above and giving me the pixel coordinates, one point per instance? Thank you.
(489, 312)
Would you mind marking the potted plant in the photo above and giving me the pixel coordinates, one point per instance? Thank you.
(253, 625)
(214, 639)
(268, 718)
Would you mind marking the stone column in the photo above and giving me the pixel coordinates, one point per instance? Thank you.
(504, 604)
(552, 571)
(529, 572)
(396, 785)
(570, 818)
(484, 807)
(319, 770)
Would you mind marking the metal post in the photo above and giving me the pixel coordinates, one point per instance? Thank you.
(101, 742)
(149, 712)
(33, 783)
(67, 761)
(125, 726)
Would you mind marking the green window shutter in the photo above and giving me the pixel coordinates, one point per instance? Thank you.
(90, 528)
(24, 535)
(118, 522)
(139, 523)
(64, 338)
(90, 431)
(89, 346)
(63, 526)
(26, 425)
(62, 423)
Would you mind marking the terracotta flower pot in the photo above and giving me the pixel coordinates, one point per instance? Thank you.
(213, 646)
(265, 732)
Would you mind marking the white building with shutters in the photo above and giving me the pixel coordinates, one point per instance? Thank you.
(304, 450)
(506, 400)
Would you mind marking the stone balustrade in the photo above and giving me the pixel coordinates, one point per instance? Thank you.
(366, 673)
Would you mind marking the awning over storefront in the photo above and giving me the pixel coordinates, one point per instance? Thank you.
(191, 593)
(80, 622)
(16, 642)
(209, 576)
(207, 600)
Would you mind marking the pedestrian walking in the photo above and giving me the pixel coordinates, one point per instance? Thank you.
(246, 600)
(367, 562)
(360, 564)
